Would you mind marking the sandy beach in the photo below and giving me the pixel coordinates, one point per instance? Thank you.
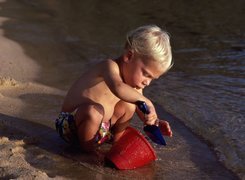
(29, 145)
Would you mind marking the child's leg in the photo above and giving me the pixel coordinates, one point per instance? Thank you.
(123, 113)
(88, 118)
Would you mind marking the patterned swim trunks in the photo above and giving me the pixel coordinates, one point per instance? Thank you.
(104, 134)
(66, 127)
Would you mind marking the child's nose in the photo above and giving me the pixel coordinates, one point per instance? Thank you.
(146, 82)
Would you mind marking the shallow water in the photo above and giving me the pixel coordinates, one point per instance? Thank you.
(205, 88)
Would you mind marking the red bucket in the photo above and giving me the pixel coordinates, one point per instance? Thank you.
(131, 151)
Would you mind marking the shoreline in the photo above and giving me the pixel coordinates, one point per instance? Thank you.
(33, 150)
(30, 147)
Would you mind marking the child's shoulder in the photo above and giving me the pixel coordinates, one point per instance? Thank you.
(104, 62)
(110, 61)
(107, 64)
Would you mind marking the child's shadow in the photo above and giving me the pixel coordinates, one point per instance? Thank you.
(45, 150)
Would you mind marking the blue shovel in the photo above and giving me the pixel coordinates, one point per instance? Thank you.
(152, 131)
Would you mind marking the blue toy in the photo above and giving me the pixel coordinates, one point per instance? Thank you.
(152, 131)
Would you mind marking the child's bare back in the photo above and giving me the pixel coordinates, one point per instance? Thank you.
(91, 88)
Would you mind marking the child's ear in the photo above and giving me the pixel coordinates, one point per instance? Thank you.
(128, 55)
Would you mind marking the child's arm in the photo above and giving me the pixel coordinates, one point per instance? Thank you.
(111, 75)
(120, 89)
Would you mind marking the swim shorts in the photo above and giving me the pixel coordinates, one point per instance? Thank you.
(103, 134)
(66, 127)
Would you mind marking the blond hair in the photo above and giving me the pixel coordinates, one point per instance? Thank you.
(152, 42)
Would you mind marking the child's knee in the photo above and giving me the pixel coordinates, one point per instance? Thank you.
(129, 109)
(88, 119)
(95, 112)
(123, 109)
(89, 113)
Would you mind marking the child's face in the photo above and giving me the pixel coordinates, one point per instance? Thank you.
(139, 74)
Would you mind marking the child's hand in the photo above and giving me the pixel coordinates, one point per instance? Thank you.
(149, 113)
(151, 118)
(165, 128)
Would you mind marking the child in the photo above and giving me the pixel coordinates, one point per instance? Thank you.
(102, 101)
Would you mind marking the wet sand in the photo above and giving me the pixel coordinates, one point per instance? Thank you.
(30, 147)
